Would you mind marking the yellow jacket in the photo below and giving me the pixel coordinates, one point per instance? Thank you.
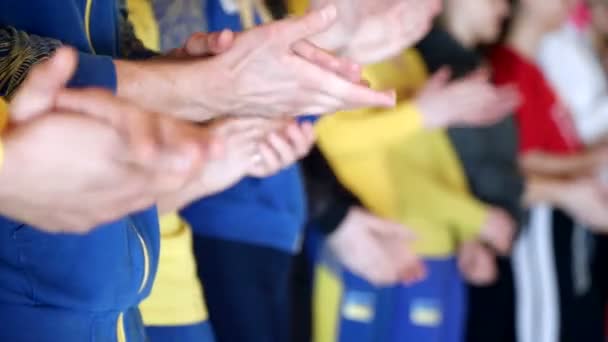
(397, 169)
(177, 296)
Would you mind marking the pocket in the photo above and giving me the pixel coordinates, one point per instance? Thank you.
(93, 272)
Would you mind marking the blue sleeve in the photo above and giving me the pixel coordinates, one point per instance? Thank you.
(94, 71)
(20, 52)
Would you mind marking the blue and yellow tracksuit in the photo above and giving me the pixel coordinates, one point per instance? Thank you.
(59, 287)
(175, 309)
(411, 176)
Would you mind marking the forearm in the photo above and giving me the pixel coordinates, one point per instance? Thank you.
(161, 85)
(542, 189)
(552, 165)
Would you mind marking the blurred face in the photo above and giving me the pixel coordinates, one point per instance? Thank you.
(550, 13)
(599, 12)
(484, 18)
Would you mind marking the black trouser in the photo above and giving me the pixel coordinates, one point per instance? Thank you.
(492, 309)
(246, 288)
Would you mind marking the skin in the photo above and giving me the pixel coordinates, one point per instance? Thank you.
(304, 79)
(120, 157)
(370, 31)
(376, 249)
(471, 101)
(472, 23)
(256, 146)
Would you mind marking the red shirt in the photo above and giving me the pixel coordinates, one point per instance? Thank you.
(544, 123)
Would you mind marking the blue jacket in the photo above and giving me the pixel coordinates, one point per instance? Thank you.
(267, 212)
(67, 287)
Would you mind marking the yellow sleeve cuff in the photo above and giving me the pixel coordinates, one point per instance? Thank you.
(354, 131)
(471, 217)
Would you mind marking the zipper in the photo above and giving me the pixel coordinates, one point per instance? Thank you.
(120, 324)
(144, 248)
(87, 23)
(120, 329)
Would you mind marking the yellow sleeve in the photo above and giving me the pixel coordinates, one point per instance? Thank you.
(297, 7)
(350, 132)
(452, 208)
(141, 15)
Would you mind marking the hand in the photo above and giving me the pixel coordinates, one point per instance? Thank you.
(67, 172)
(587, 201)
(472, 101)
(370, 31)
(477, 264)
(241, 138)
(283, 148)
(269, 71)
(498, 231)
(376, 249)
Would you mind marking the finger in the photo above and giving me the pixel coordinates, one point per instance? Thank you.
(309, 136)
(222, 42)
(37, 93)
(380, 269)
(439, 79)
(352, 95)
(342, 67)
(269, 162)
(312, 23)
(139, 128)
(482, 74)
(298, 140)
(282, 148)
(185, 145)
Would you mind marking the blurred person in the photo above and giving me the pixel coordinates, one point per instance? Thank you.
(417, 181)
(557, 281)
(489, 159)
(568, 56)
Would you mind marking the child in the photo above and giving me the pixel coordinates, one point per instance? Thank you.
(542, 258)
(414, 177)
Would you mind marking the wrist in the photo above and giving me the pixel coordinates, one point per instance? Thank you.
(430, 120)
(169, 86)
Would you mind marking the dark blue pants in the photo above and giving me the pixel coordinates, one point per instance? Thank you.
(246, 288)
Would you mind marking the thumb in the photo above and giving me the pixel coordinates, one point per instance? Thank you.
(439, 79)
(204, 44)
(38, 92)
(482, 74)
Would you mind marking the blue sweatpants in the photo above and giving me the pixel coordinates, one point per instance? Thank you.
(200, 332)
(430, 311)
